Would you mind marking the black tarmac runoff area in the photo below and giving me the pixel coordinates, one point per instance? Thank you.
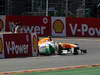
(92, 57)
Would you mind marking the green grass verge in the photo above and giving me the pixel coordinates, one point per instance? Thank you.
(82, 71)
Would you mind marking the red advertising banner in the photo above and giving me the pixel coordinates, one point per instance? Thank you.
(17, 45)
(83, 27)
(39, 24)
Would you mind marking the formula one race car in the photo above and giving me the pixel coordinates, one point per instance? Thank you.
(50, 47)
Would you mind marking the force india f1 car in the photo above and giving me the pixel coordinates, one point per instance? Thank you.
(50, 47)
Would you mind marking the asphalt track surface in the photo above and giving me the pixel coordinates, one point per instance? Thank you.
(92, 57)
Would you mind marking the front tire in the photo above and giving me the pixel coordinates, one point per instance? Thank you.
(60, 48)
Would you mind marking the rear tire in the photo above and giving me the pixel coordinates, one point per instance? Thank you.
(76, 51)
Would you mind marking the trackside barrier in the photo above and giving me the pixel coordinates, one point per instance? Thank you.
(29, 24)
(83, 27)
(18, 45)
(55, 26)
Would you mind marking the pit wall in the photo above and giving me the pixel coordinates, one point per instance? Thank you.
(53, 26)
